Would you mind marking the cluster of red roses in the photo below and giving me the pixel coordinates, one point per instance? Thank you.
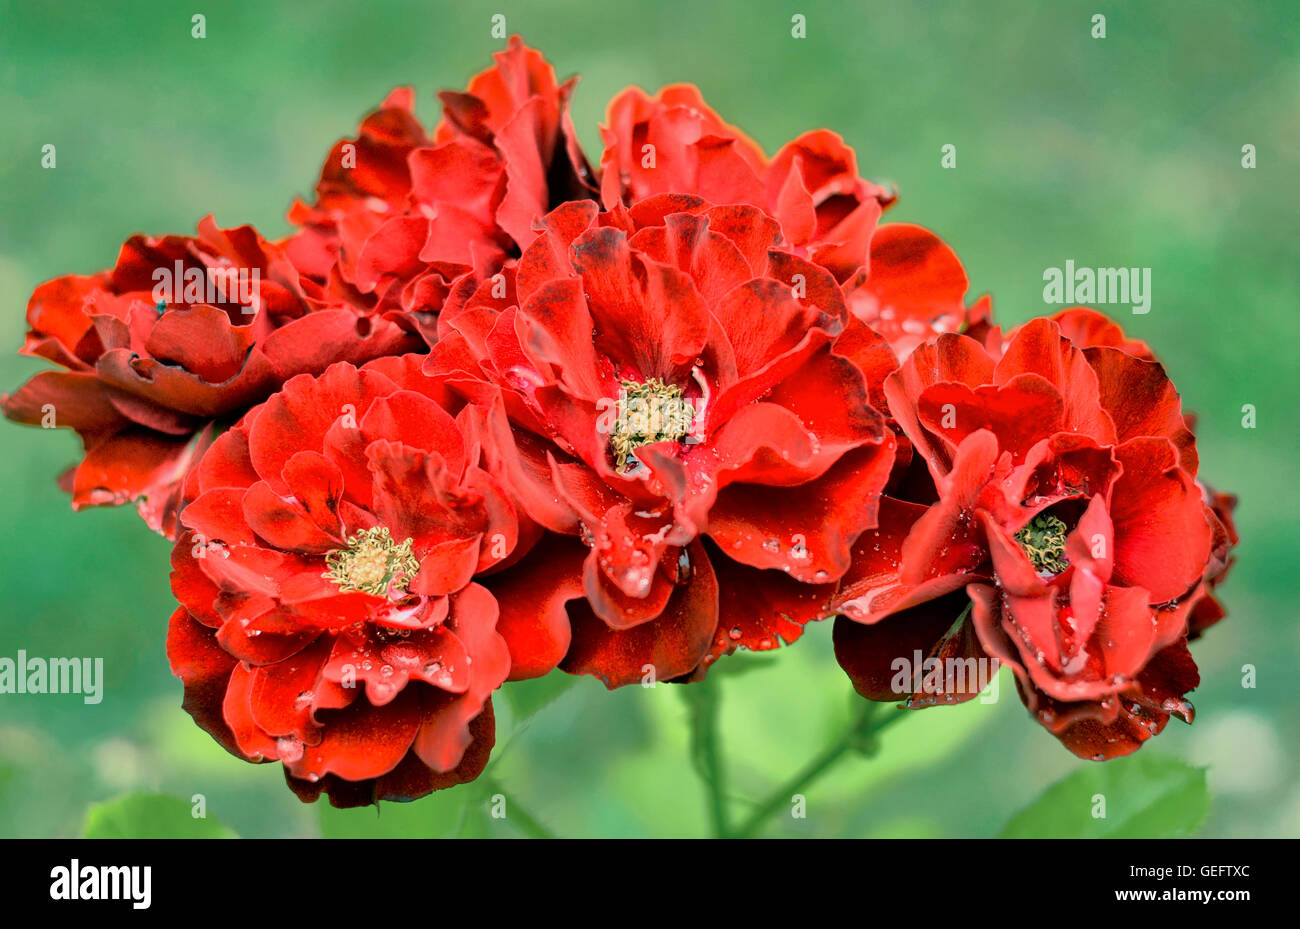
(491, 412)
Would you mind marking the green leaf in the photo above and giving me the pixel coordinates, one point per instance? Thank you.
(433, 817)
(741, 663)
(527, 698)
(1144, 796)
(149, 816)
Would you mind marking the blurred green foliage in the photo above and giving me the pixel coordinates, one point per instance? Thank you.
(1124, 151)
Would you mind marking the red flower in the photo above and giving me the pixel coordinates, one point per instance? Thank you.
(1082, 325)
(900, 279)
(1059, 493)
(399, 216)
(673, 143)
(331, 616)
(914, 288)
(677, 402)
(182, 331)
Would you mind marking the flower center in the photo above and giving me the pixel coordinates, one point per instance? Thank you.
(1043, 540)
(372, 563)
(648, 413)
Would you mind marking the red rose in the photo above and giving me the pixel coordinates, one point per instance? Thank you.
(331, 616)
(914, 288)
(677, 403)
(1059, 493)
(399, 216)
(900, 279)
(1082, 325)
(182, 331)
(673, 143)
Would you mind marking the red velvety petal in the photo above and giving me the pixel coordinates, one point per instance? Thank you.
(266, 637)
(1142, 401)
(532, 595)
(142, 466)
(838, 426)
(299, 416)
(361, 741)
(1162, 536)
(527, 143)
(311, 343)
(624, 575)
(648, 316)
(548, 258)
(554, 329)
(417, 422)
(869, 350)
(226, 463)
(58, 320)
(236, 709)
(1121, 724)
(217, 516)
(950, 358)
(761, 610)
(205, 669)
(410, 780)
(294, 524)
(880, 583)
(447, 567)
(806, 530)
(947, 539)
(416, 498)
(1086, 328)
(445, 733)
(281, 694)
(1020, 413)
(378, 166)
(77, 400)
(763, 321)
(915, 286)
(686, 242)
(926, 655)
(520, 459)
(669, 646)
(203, 340)
(767, 443)
(1039, 348)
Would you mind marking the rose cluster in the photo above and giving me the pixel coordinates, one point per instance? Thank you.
(493, 411)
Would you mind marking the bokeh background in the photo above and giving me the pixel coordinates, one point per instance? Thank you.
(1123, 151)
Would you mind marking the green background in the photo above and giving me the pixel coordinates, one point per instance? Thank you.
(1124, 151)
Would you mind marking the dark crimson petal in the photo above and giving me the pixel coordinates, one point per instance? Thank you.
(925, 655)
(205, 670)
(280, 695)
(410, 780)
(1020, 413)
(952, 358)
(445, 734)
(805, 530)
(532, 596)
(878, 584)
(669, 646)
(361, 741)
(915, 286)
(1142, 401)
(1162, 537)
(761, 610)
(77, 400)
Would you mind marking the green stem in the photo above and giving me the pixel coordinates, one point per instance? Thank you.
(703, 699)
(520, 817)
(860, 734)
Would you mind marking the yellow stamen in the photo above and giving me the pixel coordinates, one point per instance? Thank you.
(1043, 540)
(372, 563)
(647, 413)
